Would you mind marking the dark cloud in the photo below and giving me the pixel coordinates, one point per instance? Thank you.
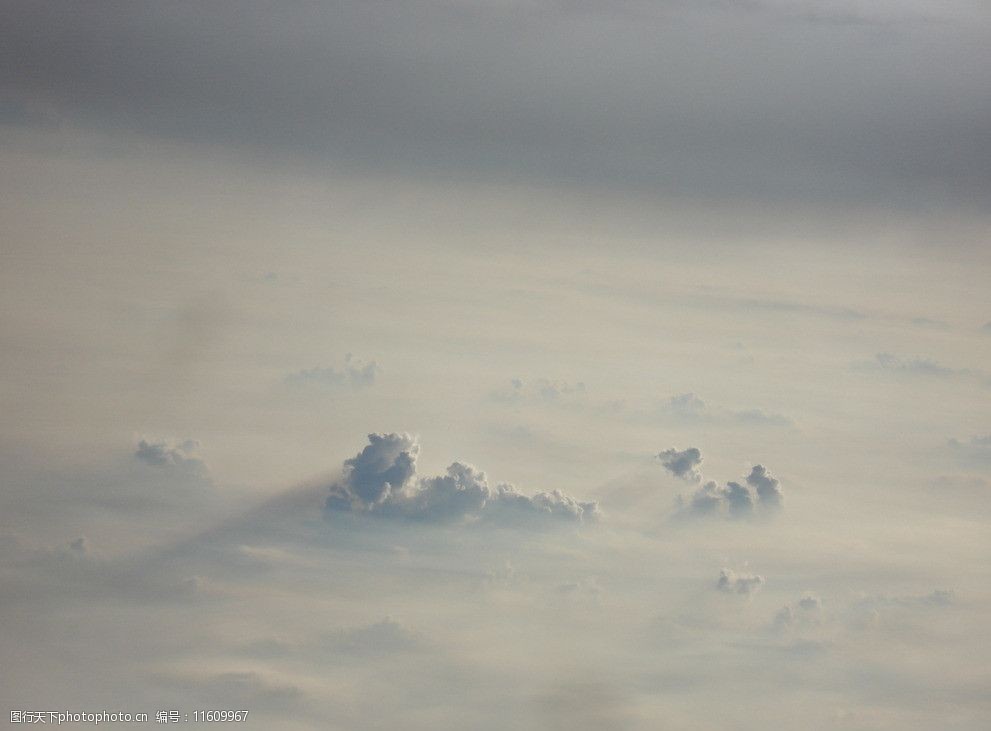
(683, 464)
(354, 373)
(383, 467)
(803, 105)
(707, 500)
(734, 583)
(382, 480)
(177, 458)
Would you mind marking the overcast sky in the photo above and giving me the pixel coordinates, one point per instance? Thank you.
(492, 365)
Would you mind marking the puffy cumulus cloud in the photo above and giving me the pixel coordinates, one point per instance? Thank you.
(179, 458)
(767, 487)
(382, 480)
(734, 583)
(683, 464)
(354, 373)
(384, 466)
(735, 500)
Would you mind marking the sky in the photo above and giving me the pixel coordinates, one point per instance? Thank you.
(509, 364)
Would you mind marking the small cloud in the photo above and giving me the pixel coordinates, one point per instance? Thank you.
(963, 484)
(354, 374)
(929, 323)
(80, 546)
(734, 583)
(735, 500)
(683, 464)
(911, 366)
(976, 449)
(687, 405)
(179, 458)
(757, 417)
(868, 612)
(804, 613)
(540, 390)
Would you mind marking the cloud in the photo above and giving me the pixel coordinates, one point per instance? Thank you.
(354, 373)
(920, 366)
(80, 546)
(386, 465)
(762, 492)
(686, 405)
(868, 612)
(935, 598)
(382, 480)
(734, 583)
(767, 487)
(806, 612)
(976, 450)
(540, 390)
(382, 637)
(739, 499)
(758, 417)
(974, 484)
(929, 323)
(178, 458)
(682, 464)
